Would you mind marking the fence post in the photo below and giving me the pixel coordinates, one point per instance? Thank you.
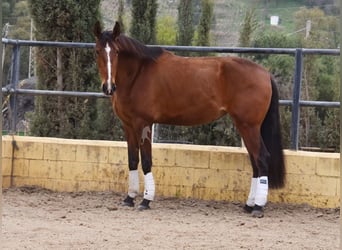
(14, 83)
(296, 97)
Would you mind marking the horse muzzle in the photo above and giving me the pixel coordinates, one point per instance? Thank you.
(108, 90)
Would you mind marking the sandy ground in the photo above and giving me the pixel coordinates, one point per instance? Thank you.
(34, 218)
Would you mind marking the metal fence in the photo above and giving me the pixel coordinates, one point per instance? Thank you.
(295, 103)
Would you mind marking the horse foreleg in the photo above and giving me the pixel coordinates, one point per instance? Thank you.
(133, 160)
(146, 163)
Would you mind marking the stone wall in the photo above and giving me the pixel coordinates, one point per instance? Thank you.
(202, 172)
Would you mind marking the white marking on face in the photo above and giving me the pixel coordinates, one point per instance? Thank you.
(109, 68)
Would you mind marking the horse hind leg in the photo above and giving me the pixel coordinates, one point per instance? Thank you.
(250, 203)
(259, 156)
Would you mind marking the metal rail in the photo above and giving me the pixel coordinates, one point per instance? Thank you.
(11, 91)
(295, 103)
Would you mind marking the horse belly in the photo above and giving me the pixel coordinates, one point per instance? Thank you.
(189, 116)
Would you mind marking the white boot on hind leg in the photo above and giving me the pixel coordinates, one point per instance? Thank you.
(251, 197)
(260, 196)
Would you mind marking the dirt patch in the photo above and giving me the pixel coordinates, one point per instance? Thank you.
(35, 218)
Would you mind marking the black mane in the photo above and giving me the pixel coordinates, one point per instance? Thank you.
(131, 46)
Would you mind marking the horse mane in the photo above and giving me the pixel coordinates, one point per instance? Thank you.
(135, 48)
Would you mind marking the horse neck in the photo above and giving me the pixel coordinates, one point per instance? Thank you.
(127, 70)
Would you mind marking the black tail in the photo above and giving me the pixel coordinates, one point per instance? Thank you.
(271, 135)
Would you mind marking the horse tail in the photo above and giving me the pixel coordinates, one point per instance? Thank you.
(271, 135)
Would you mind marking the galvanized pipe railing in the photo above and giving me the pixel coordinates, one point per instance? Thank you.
(295, 103)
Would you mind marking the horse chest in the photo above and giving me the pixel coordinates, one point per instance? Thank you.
(128, 108)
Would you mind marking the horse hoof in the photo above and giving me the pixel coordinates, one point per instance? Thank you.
(142, 208)
(248, 209)
(257, 212)
(128, 202)
(144, 205)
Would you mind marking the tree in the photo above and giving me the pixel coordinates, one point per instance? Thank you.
(143, 24)
(166, 30)
(7, 11)
(329, 134)
(121, 15)
(320, 75)
(324, 31)
(17, 27)
(281, 66)
(185, 23)
(21, 30)
(249, 26)
(65, 69)
(203, 29)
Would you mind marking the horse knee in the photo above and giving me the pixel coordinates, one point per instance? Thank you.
(133, 160)
(146, 165)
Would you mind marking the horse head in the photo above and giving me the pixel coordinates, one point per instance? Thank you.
(107, 56)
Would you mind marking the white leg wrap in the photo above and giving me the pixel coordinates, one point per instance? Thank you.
(262, 191)
(251, 197)
(149, 187)
(133, 183)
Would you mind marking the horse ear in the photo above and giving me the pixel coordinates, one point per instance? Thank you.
(116, 30)
(97, 29)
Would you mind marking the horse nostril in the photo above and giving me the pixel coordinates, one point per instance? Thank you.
(104, 88)
(108, 91)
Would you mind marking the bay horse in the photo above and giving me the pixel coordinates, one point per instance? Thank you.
(152, 85)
